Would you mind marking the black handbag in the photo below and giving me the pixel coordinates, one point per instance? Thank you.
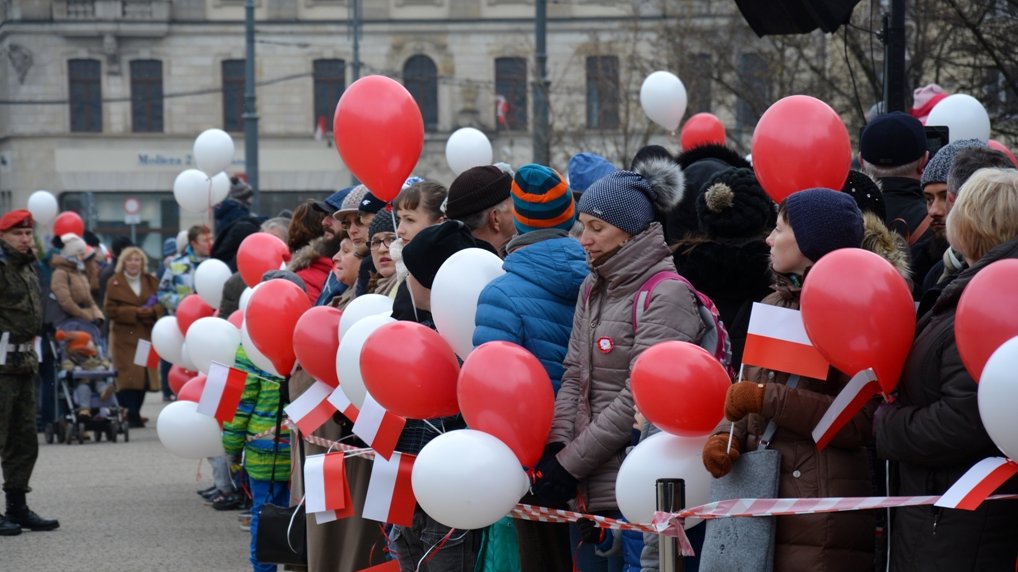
(282, 530)
(282, 535)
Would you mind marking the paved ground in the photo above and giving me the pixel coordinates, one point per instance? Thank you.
(124, 507)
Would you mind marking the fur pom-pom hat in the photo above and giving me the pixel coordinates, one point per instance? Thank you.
(732, 204)
(631, 200)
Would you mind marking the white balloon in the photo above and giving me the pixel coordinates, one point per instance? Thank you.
(362, 307)
(167, 339)
(187, 433)
(213, 151)
(220, 188)
(191, 189)
(209, 278)
(43, 206)
(661, 456)
(998, 394)
(467, 147)
(245, 297)
(663, 98)
(348, 358)
(965, 117)
(212, 339)
(454, 295)
(257, 358)
(185, 357)
(467, 479)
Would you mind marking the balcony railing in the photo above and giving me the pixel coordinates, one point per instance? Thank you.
(143, 10)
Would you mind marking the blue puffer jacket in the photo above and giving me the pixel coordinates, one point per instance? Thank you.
(533, 303)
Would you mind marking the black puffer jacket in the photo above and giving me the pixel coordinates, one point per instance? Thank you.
(934, 436)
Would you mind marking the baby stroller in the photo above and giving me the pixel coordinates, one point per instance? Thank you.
(86, 396)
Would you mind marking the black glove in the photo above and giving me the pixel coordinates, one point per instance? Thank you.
(553, 486)
(589, 531)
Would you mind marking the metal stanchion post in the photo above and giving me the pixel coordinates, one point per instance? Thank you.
(671, 497)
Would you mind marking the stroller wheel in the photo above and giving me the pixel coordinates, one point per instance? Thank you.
(111, 433)
(61, 431)
(70, 433)
(97, 435)
(48, 431)
(127, 436)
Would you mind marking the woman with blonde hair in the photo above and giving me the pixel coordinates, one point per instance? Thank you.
(132, 307)
(933, 432)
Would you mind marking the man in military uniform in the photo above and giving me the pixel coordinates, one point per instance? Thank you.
(20, 322)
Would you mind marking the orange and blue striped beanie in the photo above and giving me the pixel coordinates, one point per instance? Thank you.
(541, 199)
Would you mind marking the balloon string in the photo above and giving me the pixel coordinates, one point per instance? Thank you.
(197, 472)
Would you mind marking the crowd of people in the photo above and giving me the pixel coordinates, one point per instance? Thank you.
(577, 249)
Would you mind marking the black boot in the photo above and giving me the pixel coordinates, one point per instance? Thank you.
(19, 513)
(8, 528)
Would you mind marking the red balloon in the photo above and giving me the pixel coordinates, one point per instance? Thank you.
(68, 222)
(998, 146)
(190, 310)
(858, 312)
(982, 322)
(516, 404)
(236, 318)
(702, 129)
(191, 391)
(411, 370)
(259, 253)
(178, 377)
(680, 387)
(271, 316)
(800, 143)
(316, 341)
(379, 133)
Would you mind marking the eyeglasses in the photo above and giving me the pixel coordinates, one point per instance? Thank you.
(378, 242)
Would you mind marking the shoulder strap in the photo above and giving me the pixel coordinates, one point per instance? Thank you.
(641, 301)
(275, 438)
(919, 231)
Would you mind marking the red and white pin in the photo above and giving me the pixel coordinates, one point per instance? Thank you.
(605, 344)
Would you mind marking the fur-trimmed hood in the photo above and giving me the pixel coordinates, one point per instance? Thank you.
(712, 151)
(309, 253)
(877, 238)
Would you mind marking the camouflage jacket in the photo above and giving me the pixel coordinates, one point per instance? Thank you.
(178, 280)
(20, 303)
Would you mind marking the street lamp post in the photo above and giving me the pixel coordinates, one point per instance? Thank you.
(541, 85)
(250, 110)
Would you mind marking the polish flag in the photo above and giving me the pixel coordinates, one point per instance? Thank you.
(850, 400)
(777, 340)
(325, 486)
(978, 483)
(145, 355)
(390, 495)
(312, 408)
(377, 427)
(342, 403)
(224, 386)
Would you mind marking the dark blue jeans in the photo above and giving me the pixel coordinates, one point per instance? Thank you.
(164, 378)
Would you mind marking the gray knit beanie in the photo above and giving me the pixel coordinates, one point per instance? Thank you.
(940, 165)
(631, 200)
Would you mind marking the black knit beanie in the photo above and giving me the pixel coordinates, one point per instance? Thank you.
(477, 189)
(734, 205)
(426, 253)
(382, 223)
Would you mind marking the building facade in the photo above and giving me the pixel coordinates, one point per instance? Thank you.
(100, 100)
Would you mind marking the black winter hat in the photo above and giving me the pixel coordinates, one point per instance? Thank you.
(426, 253)
(866, 193)
(892, 139)
(734, 205)
(698, 165)
(650, 152)
(476, 189)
